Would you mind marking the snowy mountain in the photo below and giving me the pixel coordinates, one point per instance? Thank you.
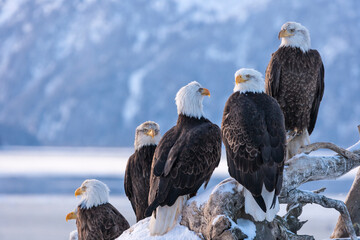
(86, 73)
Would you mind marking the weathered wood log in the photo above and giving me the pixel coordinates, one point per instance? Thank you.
(353, 204)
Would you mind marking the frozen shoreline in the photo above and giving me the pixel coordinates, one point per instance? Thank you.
(37, 185)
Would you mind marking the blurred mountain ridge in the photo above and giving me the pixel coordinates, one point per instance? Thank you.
(86, 73)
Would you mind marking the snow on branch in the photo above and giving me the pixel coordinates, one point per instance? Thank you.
(304, 197)
(303, 168)
(221, 214)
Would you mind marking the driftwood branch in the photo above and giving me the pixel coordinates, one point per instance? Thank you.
(217, 217)
(304, 197)
(303, 168)
(327, 145)
(352, 204)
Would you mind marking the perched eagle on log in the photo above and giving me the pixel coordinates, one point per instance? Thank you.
(95, 217)
(253, 133)
(185, 158)
(295, 78)
(138, 168)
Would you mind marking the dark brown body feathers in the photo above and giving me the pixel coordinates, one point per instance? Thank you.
(103, 222)
(184, 159)
(137, 179)
(253, 133)
(296, 80)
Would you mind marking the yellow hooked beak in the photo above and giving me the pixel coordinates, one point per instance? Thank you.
(284, 33)
(240, 79)
(78, 192)
(70, 216)
(151, 133)
(205, 92)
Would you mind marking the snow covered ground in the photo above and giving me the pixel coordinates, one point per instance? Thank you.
(37, 190)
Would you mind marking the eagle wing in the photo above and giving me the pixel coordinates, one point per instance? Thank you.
(114, 223)
(103, 222)
(319, 93)
(272, 76)
(190, 162)
(255, 143)
(127, 178)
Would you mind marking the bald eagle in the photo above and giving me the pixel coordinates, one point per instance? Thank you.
(138, 168)
(253, 133)
(295, 78)
(184, 159)
(95, 217)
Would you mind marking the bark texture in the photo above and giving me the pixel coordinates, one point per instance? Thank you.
(352, 202)
(217, 217)
(353, 205)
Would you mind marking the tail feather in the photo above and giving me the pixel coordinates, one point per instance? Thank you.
(260, 201)
(166, 217)
(150, 209)
(256, 211)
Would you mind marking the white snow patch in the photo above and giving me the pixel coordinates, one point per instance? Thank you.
(247, 227)
(216, 11)
(217, 218)
(48, 6)
(354, 147)
(334, 47)
(140, 231)
(27, 28)
(141, 38)
(9, 9)
(200, 199)
(52, 161)
(53, 85)
(56, 121)
(226, 187)
(100, 27)
(217, 54)
(74, 235)
(132, 103)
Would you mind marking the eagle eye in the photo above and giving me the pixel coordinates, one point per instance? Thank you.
(247, 76)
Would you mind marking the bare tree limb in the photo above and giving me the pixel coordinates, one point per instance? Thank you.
(303, 168)
(315, 146)
(352, 204)
(304, 197)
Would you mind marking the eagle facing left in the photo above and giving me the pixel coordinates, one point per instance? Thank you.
(95, 217)
(253, 133)
(295, 78)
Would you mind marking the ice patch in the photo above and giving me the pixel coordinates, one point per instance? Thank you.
(247, 227)
(140, 231)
